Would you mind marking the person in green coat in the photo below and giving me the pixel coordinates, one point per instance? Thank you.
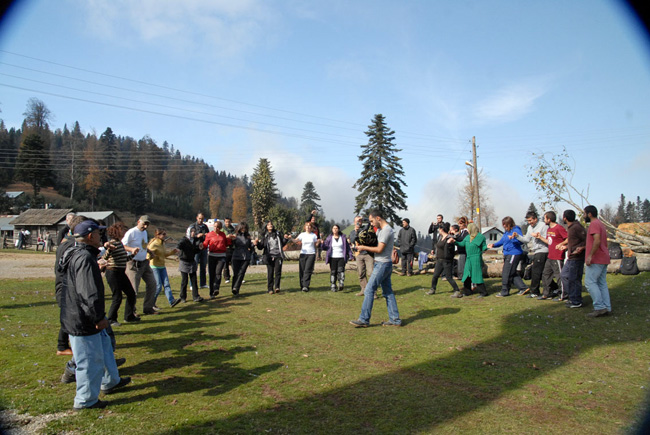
(474, 245)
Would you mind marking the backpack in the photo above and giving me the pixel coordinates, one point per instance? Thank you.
(629, 266)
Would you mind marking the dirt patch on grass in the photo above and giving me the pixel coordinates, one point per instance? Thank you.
(12, 423)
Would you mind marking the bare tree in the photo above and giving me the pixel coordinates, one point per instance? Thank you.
(467, 199)
(553, 180)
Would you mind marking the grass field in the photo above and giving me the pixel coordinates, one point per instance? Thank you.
(291, 363)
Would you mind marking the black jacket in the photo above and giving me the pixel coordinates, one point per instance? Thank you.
(188, 248)
(264, 243)
(444, 250)
(407, 239)
(243, 247)
(82, 290)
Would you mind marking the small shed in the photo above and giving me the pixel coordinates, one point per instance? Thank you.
(7, 230)
(41, 222)
(13, 194)
(108, 217)
(492, 234)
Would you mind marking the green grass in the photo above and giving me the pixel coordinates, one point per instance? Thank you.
(291, 363)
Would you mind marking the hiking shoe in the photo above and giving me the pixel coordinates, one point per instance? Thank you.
(305, 289)
(523, 292)
(333, 287)
(499, 295)
(120, 361)
(598, 313)
(431, 292)
(359, 323)
(68, 377)
(572, 305)
(100, 404)
(123, 381)
(176, 302)
(457, 295)
(560, 299)
(390, 323)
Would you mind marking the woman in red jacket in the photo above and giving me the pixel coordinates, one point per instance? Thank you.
(216, 243)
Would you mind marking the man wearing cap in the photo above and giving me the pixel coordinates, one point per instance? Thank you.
(135, 243)
(83, 317)
(406, 240)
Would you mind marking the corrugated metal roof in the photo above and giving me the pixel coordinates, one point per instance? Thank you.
(4, 222)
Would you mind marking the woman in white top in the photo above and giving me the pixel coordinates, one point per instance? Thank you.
(308, 241)
(338, 253)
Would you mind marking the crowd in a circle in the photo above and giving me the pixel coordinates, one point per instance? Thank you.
(127, 257)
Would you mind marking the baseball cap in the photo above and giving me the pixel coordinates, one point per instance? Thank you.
(86, 227)
(144, 218)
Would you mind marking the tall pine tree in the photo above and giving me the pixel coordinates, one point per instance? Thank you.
(380, 184)
(309, 198)
(264, 193)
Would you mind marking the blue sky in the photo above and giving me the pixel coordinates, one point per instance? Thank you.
(298, 82)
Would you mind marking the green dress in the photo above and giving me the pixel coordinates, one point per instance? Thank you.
(474, 262)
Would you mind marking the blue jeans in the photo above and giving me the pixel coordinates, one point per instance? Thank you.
(572, 278)
(96, 368)
(380, 277)
(162, 280)
(596, 283)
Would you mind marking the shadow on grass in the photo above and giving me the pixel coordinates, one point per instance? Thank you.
(32, 305)
(215, 376)
(425, 314)
(423, 396)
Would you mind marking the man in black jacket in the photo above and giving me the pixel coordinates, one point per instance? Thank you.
(201, 257)
(83, 317)
(406, 240)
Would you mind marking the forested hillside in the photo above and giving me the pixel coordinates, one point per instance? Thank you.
(116, 172)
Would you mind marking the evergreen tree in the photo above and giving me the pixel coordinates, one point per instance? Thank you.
(532, 208)
(264, 192)
(645, 213)
(380, 184)
(630, 212)
(136, 188)
(33, 163)
(620, 211)
(309, 198)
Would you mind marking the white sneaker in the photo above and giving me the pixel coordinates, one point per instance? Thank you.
(227, 281)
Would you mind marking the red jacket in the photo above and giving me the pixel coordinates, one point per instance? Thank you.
(216, 242)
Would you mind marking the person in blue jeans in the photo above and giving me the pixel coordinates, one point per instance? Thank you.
(83, 317)
(381, 274)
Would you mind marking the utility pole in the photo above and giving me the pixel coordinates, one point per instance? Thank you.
(478, 198)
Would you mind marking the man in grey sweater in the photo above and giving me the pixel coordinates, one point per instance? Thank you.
(536, 231)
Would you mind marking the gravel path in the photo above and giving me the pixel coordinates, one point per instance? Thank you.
(32, 265)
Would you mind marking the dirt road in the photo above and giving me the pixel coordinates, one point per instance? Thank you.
(41, 265)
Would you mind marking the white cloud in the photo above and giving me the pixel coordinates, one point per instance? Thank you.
(511, 102)
(218, 28)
